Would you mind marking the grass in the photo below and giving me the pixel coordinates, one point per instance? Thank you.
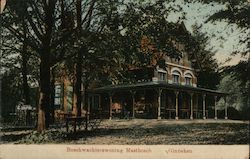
(146, 132)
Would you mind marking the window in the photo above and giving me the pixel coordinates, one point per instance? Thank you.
(58, 96)
(162, 76)
(188, 81)
(176, 77)
(69, 97)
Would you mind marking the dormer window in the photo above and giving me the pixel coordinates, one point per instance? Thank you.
(176, 77)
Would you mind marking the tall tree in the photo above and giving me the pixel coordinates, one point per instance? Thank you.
(237, 12)
(203, 59)
(18, 49)
(43, 36)
(25, 56)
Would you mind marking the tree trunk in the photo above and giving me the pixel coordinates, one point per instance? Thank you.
(44, 116)
(44, 99)
(26, 92)
(86, 105)
(52, 84)
(78, 83)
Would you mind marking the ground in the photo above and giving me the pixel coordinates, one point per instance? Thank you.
(140, 131)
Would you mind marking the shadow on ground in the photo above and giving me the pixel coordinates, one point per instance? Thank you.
(170, 134)
(148, 133)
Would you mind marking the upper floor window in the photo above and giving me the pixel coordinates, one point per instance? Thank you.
(162, 76)
(176, 77)
(188, 79)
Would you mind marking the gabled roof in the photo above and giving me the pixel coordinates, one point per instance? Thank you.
(153, 85)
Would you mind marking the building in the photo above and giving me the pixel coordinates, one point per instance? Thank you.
(168, 92)
(164, 89)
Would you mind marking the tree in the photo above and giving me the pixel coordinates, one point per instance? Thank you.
(237, 12)
(152, 37)
(90, 30)
(203, 59)
(110, 41)
(239, 75)
(44, 36)
(232, 86)
(238, 97)
(146, 35)
(16, 57)
(10, 91)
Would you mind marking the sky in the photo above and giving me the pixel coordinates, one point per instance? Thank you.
(198, 13)
(2, 4)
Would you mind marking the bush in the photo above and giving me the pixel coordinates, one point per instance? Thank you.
(245, 113)
(49, 136)
(232, 113)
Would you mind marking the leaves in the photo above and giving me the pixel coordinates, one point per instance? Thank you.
(235, 14)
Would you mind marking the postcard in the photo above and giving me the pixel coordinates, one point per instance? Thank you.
(124, 79)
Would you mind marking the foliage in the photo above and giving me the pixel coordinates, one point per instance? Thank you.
(96, 45)
(115, 43)
(233, 113)
(47, 34)
(241, 72)
(203, 59)
(235, 12)
(50, 136)
(11, 91)
(237, 83)
(148, 21)
(232, 86)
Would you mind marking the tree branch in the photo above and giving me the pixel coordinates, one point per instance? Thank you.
(89, 12)
(19, 36)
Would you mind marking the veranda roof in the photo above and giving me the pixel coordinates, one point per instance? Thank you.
(155, 85)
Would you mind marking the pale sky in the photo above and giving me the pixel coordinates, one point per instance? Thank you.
(198, 13)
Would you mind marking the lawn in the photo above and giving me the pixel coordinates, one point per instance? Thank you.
(139, 131)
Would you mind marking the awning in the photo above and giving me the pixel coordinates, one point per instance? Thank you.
(155, 85)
